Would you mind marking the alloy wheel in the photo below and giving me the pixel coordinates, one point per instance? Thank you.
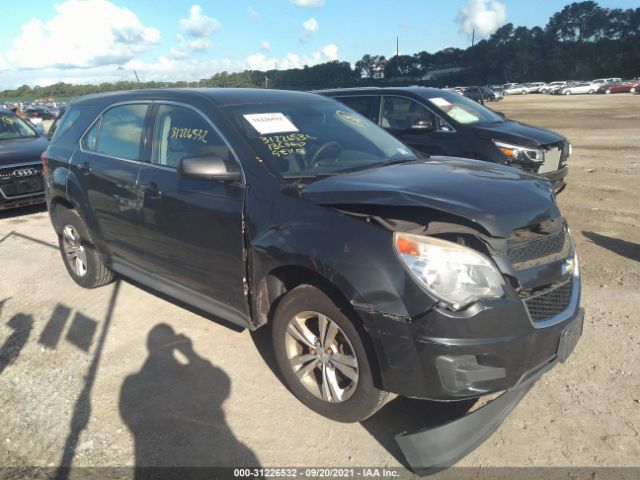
(74, 251)
(322, 356)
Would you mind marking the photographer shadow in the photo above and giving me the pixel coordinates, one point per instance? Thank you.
(173, 407)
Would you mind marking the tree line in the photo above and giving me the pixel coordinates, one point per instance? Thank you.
(582, 41)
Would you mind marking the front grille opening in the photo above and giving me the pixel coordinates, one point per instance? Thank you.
(545, 250)
(550, 303)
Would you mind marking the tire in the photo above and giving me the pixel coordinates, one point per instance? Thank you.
(607, 91)
(632, 90)
(523, 92)
(80, 258)
(301, 311)
(591, 92)
(568, 92)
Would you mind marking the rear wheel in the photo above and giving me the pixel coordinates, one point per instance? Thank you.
(568, 92)
(78, 253)
(322, 356)
(591, 92)
(523, 92)
(633, 90)
(607, 91)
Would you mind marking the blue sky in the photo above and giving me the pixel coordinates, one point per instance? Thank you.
(43, 42)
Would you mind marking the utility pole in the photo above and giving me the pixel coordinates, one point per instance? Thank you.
(473, 37)
(397, 47)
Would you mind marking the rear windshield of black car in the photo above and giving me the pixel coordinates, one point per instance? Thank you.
(315, 138)
(13, 127)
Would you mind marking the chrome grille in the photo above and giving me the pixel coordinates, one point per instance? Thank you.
(545, 250)
(549, 303)
(20, 171)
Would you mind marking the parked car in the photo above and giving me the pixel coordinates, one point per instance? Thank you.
(21, 145)
(440, 123)
(535, 87)
(628, 86)
(39, 112)
(377, 270)
(520, 89)
(482, 94)
(604, 81)
(579, 88)
(552, 86)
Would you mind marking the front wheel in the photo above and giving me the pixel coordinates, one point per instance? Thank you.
(322, 356)
(607, 91)
(591, 92)
(568, 92)
(633, 90)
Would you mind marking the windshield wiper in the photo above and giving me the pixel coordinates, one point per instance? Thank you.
(310, 175)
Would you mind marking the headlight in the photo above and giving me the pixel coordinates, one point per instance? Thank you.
(517, 152)
(453, 273)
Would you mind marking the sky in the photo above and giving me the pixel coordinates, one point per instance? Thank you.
(91, 41)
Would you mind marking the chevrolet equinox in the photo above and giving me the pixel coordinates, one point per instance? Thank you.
(378, 271)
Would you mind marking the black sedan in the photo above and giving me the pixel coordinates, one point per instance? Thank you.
(20, 167)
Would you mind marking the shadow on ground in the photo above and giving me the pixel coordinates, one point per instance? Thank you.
(173, 407)
(623, 248)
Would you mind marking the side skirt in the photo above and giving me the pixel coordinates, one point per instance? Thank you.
(179, 292)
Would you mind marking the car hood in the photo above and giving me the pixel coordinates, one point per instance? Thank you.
(518, 133)
(499, 198)
(22, 150)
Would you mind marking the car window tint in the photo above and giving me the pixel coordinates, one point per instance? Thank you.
(362, 105)
(62, 125)
(401, 113)
(121, 131)
(181, 132)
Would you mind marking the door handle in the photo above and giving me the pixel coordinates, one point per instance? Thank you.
(152, 192)
(85, 168)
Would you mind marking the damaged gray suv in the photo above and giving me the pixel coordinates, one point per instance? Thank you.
(377, 271)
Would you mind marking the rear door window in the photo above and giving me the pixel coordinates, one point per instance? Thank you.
(119, 132)
(400, 113)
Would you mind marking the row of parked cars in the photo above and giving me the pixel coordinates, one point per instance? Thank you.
(494, 93)
(339, 218)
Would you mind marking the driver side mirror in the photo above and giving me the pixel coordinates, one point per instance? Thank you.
(207, 167)
(422, 125)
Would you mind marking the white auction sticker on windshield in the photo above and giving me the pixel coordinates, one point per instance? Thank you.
(266, 123)
(439, 102)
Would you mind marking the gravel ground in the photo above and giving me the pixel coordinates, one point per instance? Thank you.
(83, 380)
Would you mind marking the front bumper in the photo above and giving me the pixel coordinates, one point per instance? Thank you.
(436, 448)
(557, 178)
(447, 356)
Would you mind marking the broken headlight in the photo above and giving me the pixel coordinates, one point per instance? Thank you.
(517, 152)
(453, 273)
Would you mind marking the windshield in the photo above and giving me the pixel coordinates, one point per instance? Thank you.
(315, 138)
(13, 127)
(463, 110)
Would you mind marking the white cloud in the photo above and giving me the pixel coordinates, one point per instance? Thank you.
(253, 13)
(308, 3)
(264, 47)
(330, 51)
(483, 16)
(186, 47)
(198, 24)
(165, 69)
(310, 27)
(82, 34)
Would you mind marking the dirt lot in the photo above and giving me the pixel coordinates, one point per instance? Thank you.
(83, 383)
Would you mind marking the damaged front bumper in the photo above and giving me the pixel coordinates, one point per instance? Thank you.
(433, 449)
